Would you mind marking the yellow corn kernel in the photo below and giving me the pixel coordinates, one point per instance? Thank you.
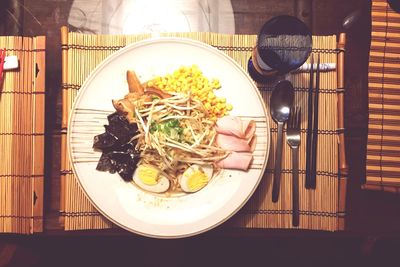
(191, 80)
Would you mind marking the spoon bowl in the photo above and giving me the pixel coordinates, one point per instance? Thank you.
(281, 101)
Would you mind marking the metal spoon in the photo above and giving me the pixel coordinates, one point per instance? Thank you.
(280, 103)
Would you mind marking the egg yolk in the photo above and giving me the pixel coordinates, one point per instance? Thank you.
(197, 180)
(148, 175)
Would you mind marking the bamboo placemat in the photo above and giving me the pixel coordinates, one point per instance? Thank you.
(321, 209)
(383, 146)
(22, 103)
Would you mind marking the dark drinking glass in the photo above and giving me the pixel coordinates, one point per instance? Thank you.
(283, 45)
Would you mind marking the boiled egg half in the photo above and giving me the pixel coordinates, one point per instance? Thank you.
(150, 178)
(196, 177)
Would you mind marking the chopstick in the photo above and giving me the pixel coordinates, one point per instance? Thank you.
(309, 124)
(312, 131)
(315, 130)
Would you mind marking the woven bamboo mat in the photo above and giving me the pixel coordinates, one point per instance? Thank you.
(383, 148)
(22, 99)
(321, 209)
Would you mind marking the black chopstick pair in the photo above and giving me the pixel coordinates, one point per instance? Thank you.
(312, 126)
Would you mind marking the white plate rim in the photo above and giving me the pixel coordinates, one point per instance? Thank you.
(145, 42)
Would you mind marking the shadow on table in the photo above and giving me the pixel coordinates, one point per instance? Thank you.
(202, 251)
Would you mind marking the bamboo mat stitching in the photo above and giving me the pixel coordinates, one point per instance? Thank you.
(21, 181)
(382, 149)
(260, 211)
(382, 98)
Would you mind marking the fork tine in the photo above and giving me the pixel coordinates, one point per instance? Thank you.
(294, 118)
(289, 123)
(298, 117)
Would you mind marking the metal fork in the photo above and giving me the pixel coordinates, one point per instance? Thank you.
(293, 140)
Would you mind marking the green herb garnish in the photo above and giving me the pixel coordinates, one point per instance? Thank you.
(171, 128)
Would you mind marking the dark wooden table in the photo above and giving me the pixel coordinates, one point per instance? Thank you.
(371, 216)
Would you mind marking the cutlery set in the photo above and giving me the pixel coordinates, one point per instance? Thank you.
(282, 111)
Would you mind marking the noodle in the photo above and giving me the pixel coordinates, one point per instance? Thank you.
(172, 152)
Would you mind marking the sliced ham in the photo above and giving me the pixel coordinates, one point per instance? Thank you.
(236, 160)
(252, 143)
(233, 143)
(231, 125)
(238, 137)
